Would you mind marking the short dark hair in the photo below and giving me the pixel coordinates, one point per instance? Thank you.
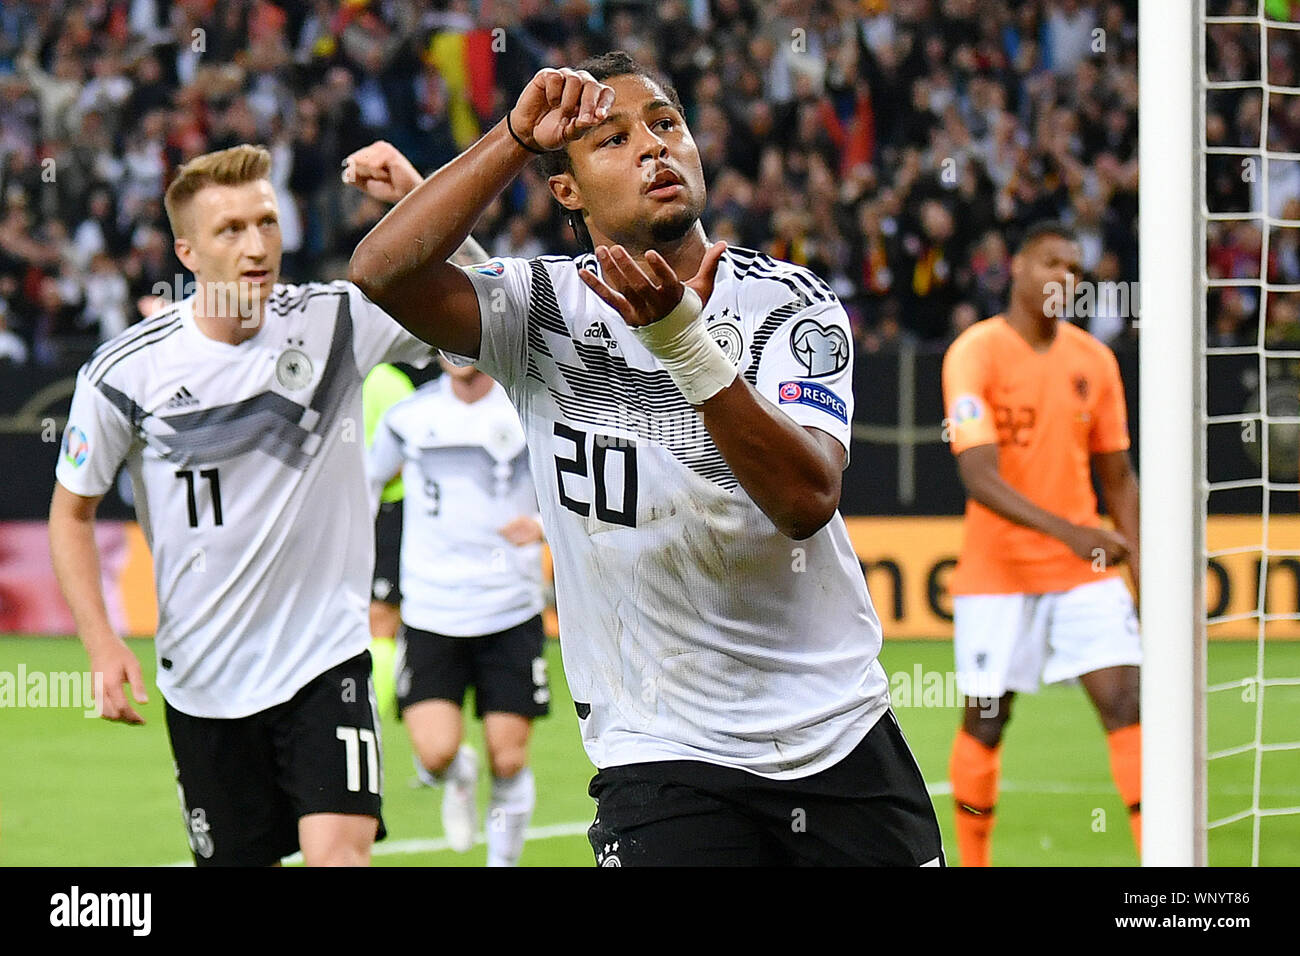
(1044, 228)
(602, 67)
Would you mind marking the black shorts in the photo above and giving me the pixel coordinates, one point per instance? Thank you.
(244, 782)
(386, 585)
(506, 669)
(870, 809)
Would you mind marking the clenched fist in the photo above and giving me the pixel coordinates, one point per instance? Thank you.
(381, 172)
(558, 106)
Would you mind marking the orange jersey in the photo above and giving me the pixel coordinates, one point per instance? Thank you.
(1048, 412)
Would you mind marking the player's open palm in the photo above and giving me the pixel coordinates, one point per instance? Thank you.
(381, 172)
(558, 106)
(642, 297)
(119, 666)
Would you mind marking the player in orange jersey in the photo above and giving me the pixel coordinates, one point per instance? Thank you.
(1034, 406)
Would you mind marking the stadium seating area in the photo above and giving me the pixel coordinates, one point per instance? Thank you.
(894, 147)
(1235, 184)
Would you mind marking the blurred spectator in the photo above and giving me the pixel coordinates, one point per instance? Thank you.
(1284, 248)
(929, 261)
(98, 232)
(1110, 310)
(517, 241)
(877, 258)
(1230, 313)
(889, 332)
(895, 148)
(12, 348)
(107, 298)
(991, 273)
(1069, 33)
(1282, 327)
(963, 317)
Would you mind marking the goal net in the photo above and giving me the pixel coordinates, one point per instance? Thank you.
(1220, 162)
(1249, 280)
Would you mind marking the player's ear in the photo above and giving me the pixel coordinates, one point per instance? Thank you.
(566, 191)
(184, 252)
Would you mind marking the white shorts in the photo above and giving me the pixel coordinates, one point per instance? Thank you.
(1009, 642)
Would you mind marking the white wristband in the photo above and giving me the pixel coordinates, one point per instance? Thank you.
(680, 341)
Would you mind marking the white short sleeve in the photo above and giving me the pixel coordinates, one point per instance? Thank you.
(503, 287)
(377, 337)
(96, 441)
(806, 370)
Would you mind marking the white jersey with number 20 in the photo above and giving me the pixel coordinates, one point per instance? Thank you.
(691, 629)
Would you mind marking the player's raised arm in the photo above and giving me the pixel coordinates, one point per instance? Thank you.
(76, 565)
(382, 172)
(403, 264)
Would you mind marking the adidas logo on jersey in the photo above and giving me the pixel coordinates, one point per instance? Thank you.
(182, 399)
(598, 334)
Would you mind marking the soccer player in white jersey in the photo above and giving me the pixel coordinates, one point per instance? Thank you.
(237, 412)
(471, 596)
(687, 409)
(383, 387)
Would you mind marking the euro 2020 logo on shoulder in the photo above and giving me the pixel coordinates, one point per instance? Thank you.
(76, 447)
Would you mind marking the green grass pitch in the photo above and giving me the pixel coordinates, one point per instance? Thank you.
(83, 792)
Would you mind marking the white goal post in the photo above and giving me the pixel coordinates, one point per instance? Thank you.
(1170, 406)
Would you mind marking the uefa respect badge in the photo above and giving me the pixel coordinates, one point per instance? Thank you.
(814, 396)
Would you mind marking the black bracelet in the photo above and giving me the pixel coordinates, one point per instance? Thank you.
(539, 152)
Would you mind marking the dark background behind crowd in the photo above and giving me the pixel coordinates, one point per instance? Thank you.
(896, 147)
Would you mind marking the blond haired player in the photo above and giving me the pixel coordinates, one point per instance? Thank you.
(1035, 406)
(237, 412)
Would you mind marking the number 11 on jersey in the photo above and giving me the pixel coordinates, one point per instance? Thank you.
(214, 493)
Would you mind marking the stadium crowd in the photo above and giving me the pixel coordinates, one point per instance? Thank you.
(1236, 182)
(896, 147)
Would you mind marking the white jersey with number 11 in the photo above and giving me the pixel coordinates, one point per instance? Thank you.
(248, 467)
